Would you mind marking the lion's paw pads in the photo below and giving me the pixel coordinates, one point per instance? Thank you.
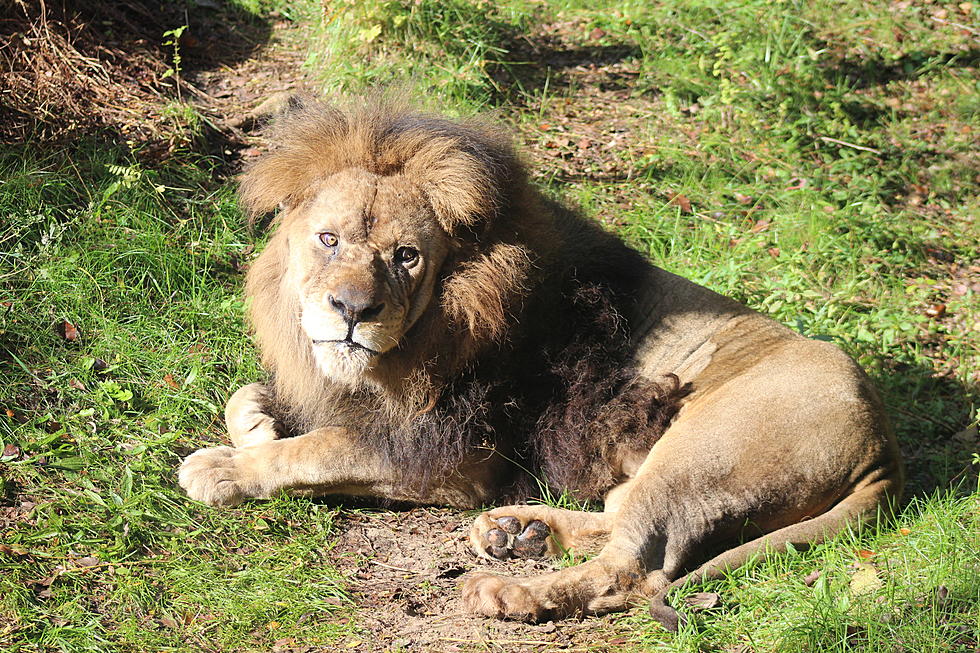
(212, 476)
(504, 598)
(511, 538)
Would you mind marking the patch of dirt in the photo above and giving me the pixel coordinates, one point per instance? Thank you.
(405, 570)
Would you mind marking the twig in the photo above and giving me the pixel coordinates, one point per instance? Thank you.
(959, 25)
(846, 144)
(394, 568)
(532, 642)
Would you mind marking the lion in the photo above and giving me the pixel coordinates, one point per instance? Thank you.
(437, 331)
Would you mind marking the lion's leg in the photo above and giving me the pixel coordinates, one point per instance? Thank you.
(246, 419)
(607, 583)
(537, 531)
(324, 461)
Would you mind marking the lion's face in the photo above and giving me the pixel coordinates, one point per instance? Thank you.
(364, 253)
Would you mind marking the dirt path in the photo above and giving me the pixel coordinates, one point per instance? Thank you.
(404, 570)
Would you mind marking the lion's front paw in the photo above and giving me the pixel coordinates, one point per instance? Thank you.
(507, 536)
(215, 476)
(503, 598)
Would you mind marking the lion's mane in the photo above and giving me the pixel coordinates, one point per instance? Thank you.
(525, 353)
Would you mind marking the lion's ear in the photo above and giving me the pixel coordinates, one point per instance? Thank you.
(488, 289)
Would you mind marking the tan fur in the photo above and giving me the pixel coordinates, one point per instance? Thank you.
(780, 439)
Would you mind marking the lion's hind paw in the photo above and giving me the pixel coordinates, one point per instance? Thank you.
(503, 598)
(507, 537)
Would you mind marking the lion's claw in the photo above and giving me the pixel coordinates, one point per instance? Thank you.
(213, 476)
(512, 539)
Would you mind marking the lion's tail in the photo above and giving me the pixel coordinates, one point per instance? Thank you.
(855, 510)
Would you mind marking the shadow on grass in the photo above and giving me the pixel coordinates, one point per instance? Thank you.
(865, 72)
(931, 415)
(536, 66)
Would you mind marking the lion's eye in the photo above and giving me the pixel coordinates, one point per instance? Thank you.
(329, 239)
(406, 255)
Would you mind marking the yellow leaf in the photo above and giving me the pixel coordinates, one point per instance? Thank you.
(865, 579)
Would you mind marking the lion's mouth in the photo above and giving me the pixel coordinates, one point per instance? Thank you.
(349, 344)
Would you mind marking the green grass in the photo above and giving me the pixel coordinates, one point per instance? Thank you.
(145, 271)
(729, 105)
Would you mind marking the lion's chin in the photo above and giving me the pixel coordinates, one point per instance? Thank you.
(344, 362)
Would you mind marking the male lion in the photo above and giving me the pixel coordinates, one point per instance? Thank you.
(437, 331)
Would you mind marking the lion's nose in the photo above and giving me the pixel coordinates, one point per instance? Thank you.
(355, 307)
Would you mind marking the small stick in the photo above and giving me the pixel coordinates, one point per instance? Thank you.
(533, 642)
(846, 144)
(394, 568)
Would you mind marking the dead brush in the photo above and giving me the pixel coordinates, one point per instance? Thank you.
(62, 70)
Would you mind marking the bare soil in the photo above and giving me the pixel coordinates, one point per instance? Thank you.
(404, 571)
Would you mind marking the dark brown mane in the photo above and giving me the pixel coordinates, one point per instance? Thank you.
(526, 353)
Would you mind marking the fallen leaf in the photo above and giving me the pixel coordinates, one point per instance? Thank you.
(744, 199)
(969, 436)
(681, 201)
(812, 577)
(703, 600)
(905, 531)
(773, 252)
(796, 183)
(78, 385)
(169, 380)
(168, 622)
(584, 143)
(596, 34)
(9, 413)
(865, 554)
(760, 225)
(865, 579)
(88, 561)
(68, 331)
